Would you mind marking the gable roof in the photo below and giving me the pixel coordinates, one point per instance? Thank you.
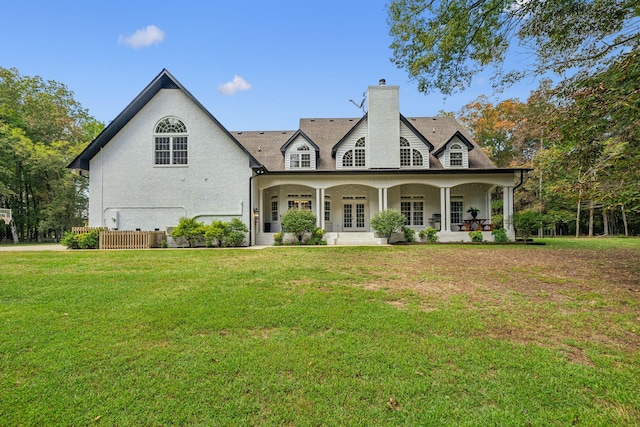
(300, 133)
(164, 80)
(461, 137)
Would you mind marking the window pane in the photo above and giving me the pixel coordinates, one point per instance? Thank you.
(294, 160)
(405, 208)
(417, 158)
(405, 157)
(347, 158)
(327, 211)
(418, 217)
(359, 157)
(274, 211)
(306, 161)
(360, 215)
(456, 212)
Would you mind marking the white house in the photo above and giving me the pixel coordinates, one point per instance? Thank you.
(166, 157)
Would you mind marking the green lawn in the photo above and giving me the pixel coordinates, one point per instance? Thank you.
(406, 335)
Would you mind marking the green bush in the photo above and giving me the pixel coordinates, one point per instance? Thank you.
(387, 222)
(500, 235)
(90, 240)
(278, 239)
(235, 233)
(409, 234)
(298, 222)
(316, 237)
(476, 236)
(215, 233)
(189, 228)
(527, 222)
(429, 234)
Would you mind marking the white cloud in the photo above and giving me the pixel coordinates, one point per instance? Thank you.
(143, 38)
(238, 83)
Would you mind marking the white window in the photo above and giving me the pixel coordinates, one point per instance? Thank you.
(409, 156)
(456, 157)
(301, 158)
(299, 201)
(413, 210)
(170, 142)
(356, 156)
(274, 210)
(327, 210)
(456, 211)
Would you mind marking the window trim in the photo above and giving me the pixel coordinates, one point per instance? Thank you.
(174, 131)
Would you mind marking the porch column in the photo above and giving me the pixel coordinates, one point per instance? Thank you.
(380, 200)
(443, 210)
(260, 212)
(318, 204)
(447, 204)
(507, 208)
(321, 209)
(384, 195)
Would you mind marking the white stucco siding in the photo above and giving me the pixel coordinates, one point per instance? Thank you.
(384, 127)
(215, 183)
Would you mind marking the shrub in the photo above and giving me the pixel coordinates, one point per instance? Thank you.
(500, 235)
(298, 222)
(476, 236)
(278, 239)
(527, 222)
(316, 237)
(387, 222)
(409, 234)
(90, 240)
(190, 229)
(235, 233)
(215, 233)
(429, 234)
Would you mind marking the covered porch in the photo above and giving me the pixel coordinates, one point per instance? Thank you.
(345, 204)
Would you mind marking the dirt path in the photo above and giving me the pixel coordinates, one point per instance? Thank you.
(31, 248)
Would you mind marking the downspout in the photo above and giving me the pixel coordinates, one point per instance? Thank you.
(251, 208)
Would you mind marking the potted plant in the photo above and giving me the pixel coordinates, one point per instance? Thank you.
(473, 211)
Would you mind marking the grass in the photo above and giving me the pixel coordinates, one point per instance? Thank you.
(408, 335)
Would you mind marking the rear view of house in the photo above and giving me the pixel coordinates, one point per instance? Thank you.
(166, 157)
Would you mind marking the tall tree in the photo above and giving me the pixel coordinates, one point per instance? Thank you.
(442, 44)
(42, 128)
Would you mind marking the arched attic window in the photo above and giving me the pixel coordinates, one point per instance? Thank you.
(170, 142)
(355, 157)
(456, 155)
(409, 156)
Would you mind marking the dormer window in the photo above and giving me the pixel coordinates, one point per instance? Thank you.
(301, 158)
(170, 142)
(456, 155)
(409, 156)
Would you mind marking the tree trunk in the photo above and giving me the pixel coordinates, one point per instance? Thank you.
(605, 222)
(624, 221)
(578, 219)
(591, 209)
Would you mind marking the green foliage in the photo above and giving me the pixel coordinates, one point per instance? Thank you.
(476, 236)
(190, 229)
(387, 222)
(317, 237)
(278, 239)
(443, 44)
(298, 222)
(500, 235)
(90, 240)
(429, 234)
(218, 233)
(526, 222)
(409, 234)
(42, 128)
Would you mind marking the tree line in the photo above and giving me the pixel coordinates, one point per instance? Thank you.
(581, 136)
(42, 128)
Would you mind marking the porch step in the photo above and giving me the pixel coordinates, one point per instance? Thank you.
(355, 239)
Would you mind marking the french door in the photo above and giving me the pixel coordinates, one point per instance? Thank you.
(354, 216)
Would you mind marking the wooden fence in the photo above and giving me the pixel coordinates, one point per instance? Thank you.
(82, 230)
(132, 239)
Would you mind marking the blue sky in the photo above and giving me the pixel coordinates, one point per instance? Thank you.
(255, 65)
